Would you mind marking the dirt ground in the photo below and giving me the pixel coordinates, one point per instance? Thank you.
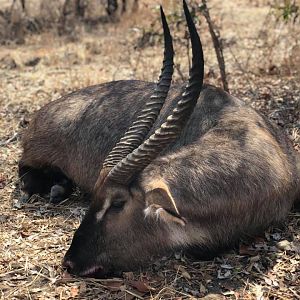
(263, 64)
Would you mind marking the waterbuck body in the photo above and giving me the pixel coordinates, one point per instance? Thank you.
(226, 173)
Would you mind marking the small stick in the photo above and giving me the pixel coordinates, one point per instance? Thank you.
(215, 35)
(10, 140)
(133, 294)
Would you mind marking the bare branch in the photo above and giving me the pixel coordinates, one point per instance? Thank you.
(215, 35)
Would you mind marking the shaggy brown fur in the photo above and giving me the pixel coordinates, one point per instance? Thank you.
(230, 173)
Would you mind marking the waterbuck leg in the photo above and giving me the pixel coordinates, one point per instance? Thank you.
(33, 181)
(203, 253)
(61, 190)
(44, 181)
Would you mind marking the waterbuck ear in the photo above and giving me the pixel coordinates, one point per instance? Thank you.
(160, 204)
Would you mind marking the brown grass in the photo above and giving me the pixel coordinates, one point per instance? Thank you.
(35, 236)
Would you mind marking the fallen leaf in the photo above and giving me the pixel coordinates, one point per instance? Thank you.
(225, 275)
(259, 240)
(82, 287)
(228, 293)
(268, 281)
(4, 218)
(24, 234)
(203, 289)
(35, 290)
(114, 285)
(74, 291)
(213, 297)
(255, 258)
(183, 271)
(141, 286)
(284, 245)
(227, 266)
(247, 250)
(66, 275)
(2, 180)
(276, 236)
(128, 275)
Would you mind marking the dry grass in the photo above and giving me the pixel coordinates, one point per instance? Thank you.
(35, 236)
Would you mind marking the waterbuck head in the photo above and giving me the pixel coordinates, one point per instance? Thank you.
(126, 224)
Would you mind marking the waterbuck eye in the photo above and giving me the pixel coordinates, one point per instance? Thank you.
(117, 205)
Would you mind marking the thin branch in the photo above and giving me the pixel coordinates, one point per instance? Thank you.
(177, 68)
(215, 35)
(10, 140)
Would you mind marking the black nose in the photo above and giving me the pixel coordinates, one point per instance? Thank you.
(68, 264)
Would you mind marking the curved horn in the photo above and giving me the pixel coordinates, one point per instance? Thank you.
(137, 132)
(125, 170)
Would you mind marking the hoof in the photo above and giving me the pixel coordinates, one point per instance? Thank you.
(57, 194)
(24, 197)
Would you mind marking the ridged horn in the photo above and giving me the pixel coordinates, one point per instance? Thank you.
(137, 132)
(136, 161)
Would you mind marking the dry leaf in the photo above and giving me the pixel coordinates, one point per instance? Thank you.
(227, 266)
(114, 285)
(247, 250)
(213, 297)
(259, 240)
(203, 289)
(2, 180)
(82, 287)
(74, 291)
(224, 275)
(183, 271)
(284, 245)
(228, 293)
(268, 281)
(254, 259)
(66, 275)
(141, 286)
(128, 275)
(24, 234)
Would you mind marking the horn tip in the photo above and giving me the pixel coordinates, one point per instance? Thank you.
(186, 9)
(162, 14)
(184, 4)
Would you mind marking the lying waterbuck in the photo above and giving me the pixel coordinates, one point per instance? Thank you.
(180, 169)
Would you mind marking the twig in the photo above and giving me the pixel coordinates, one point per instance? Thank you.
(295, 293)
(11, 272)
(177, 67)
(10, 140)
(215, 35)
(133, 294)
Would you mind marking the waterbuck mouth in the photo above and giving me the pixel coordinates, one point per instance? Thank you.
(94, 272)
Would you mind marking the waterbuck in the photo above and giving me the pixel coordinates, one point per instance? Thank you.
(166, 168)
